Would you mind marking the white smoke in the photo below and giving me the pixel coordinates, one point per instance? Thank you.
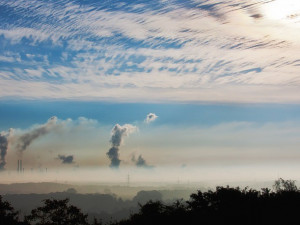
(150, 118)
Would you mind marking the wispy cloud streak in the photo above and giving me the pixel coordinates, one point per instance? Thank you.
(210, 48)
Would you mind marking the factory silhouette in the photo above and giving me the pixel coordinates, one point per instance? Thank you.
(21, 169)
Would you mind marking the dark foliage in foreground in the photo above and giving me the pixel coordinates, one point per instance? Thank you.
(7, 213)
(57, 212)
(225, 205)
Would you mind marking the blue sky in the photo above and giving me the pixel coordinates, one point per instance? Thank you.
(228, 51)
(22, 114)
(222, 77)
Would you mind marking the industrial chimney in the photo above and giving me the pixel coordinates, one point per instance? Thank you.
(20, 168)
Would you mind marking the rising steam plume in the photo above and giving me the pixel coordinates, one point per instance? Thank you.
(140, 162)
(21, 142)
(66, 159)
(3, 148)
(150, 118)
(26, 139)
(117, 136)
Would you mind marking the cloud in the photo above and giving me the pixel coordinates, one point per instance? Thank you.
(151, 52)
(118, 134)
(150, 118)
(66, 159)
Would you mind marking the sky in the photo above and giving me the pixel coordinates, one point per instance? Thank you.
(163, 88)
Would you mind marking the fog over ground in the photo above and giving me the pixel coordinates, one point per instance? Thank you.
(144, 92)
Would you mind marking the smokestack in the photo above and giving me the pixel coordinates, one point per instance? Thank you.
(18, 168)
(21, 168)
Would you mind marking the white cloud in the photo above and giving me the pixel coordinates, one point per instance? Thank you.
(223, 53)
(6, 58)
(16, 34)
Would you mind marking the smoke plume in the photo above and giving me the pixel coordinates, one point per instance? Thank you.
(140, 162)
(26, 139)
(3, 148)
(150, 118)
(66, 159)
(117, 136)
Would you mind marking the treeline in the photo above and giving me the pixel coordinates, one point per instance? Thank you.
(224, 205)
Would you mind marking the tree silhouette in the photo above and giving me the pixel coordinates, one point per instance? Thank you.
(222, 206)
(57, 212)
(226, 206)
(96, 222)
(7, 213)
(285, 185)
